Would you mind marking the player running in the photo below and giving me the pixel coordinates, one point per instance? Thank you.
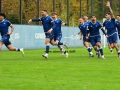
(86, 21)
(4, 30)
(83, 32)
(118, 25)
(110, 26)
(85, 18)
(58, 33)
(48, 26)
(95, 38)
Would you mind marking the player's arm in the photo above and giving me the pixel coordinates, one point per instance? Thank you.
(103, 30)
(64, 23)
(88, 32)
(116, 26)
(111, 11)
(12, 29)
(34, 20)
(11, 26)
(53, 26)
(81, 34)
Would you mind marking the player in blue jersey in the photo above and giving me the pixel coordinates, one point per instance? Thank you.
(85, 18)
(83, 34)
(118, 25)
(58, 33)
(110, 26)
(5, 33)
(94, 35)
(86, 21)
(48, 26)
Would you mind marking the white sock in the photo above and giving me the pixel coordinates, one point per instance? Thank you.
(91, 53)
(46, 54)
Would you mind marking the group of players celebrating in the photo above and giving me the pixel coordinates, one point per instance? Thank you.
(52, 30)
(89, 31)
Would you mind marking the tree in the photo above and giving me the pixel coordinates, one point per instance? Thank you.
(29, 9)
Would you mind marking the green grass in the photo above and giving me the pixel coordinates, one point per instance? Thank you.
(78, 72)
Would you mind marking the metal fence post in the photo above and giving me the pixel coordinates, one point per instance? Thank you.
(80, 8)
(102, 8)
(0, 5)
(91, 7)
(68, 13)
(53, 5)
(20, 11)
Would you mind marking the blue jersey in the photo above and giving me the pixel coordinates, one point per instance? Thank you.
(57, 29)
(83, 29)
(47, 22)
(118, 26)
(94, 28)
(110, 26)
(4, 26)
(87, 23)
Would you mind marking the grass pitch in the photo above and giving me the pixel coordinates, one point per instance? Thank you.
(78, 72)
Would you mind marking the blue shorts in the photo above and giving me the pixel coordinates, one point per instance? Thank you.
(5, 40)
(113, 38)
(85, 40)
(50, 36)
(94, 40)
(57, 37)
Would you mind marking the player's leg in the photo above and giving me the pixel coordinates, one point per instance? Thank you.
(93, 43)
(58, 42)
(52, 42)
(117, 48)
(11, 48)
(115, 44)
(62, 50)
(110, 47)
(86, 44)
(47, 42)
(98, 41)
(60, 47)
(1, 43)
(5, 40)
(62, 43)
(100, 49)
(58, 39)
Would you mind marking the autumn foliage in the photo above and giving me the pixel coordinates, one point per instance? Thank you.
(30, 9)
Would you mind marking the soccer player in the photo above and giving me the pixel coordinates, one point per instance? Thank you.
(5, 33)
(94, 35)
(58, 33)
(118, 25)
(86, 21)
(83, 32)
(48, 26)
(85, 18)
(110, 26)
